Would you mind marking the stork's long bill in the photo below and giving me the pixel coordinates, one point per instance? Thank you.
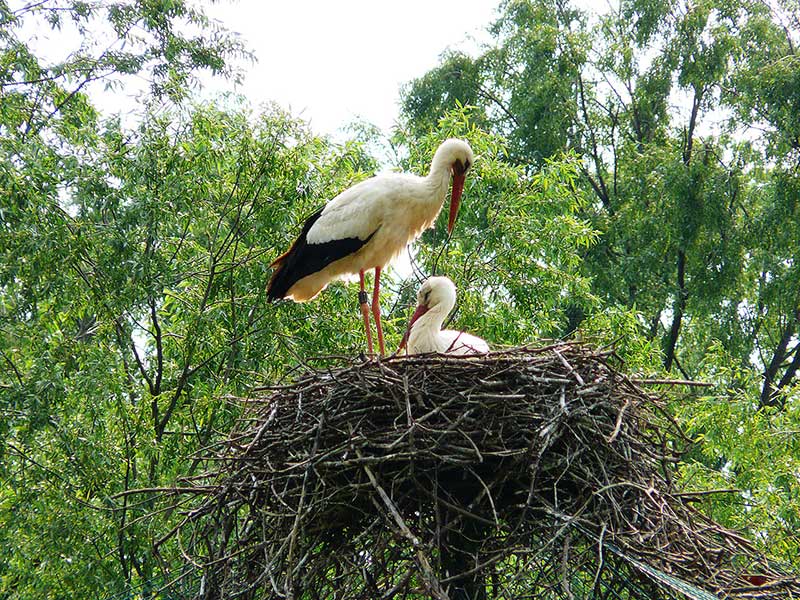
(421, 310)
(455, 200)
(459, 176)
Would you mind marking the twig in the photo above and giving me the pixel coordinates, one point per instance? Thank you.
(684, 382)
(569, 366)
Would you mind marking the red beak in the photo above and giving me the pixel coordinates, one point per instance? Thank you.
(455, 199)
(421, 310)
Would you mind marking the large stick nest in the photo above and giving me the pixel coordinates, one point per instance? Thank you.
(533, 473)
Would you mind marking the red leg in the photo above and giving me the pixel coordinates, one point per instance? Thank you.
(362, 301)
(376, 309)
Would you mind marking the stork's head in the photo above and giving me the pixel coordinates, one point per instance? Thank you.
(437, 293)
(457, 156)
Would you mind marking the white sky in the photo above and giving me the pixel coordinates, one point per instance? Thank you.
(333, 61)
(329, 62)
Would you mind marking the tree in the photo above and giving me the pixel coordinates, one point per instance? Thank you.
(684, 118)
(70, 291)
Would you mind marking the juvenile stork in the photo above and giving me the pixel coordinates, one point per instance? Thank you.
(435, 299)
(366, 226)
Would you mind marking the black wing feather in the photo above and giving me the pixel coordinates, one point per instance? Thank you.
(304, 259)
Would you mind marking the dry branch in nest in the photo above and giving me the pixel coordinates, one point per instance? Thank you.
(533, 473)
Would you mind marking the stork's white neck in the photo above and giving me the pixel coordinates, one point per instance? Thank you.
(438, 178)
(430, 324)
(441, 163)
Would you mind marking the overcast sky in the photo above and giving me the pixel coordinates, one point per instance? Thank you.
(333, 61)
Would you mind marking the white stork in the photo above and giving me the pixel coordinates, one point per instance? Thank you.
(366, 226)
(435, 299)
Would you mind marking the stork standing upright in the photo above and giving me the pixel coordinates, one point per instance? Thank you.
(366, 226)
(435, 299)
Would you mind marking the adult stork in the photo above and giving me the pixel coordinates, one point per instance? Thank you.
(366, 226)
(435, 299)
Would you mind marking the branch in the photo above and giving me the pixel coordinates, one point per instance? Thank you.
(678, 307)
(431, 581)
(686, 382)
(13, 367)
(791, 370)
(597, 188)
(187, 368)
(139, 363)
(159, 347)
(687, 152)
(489, 95)
(601, 185)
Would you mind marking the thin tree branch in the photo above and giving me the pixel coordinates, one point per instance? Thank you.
(678, 308)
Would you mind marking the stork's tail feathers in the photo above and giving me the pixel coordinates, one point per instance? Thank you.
(286, 272)
(275, 289)
(277, 262)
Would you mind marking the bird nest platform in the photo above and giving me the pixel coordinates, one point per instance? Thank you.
(530, 473)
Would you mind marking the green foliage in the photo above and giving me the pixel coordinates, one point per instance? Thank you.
(137, 308)
(450, 84)
(748, 450)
